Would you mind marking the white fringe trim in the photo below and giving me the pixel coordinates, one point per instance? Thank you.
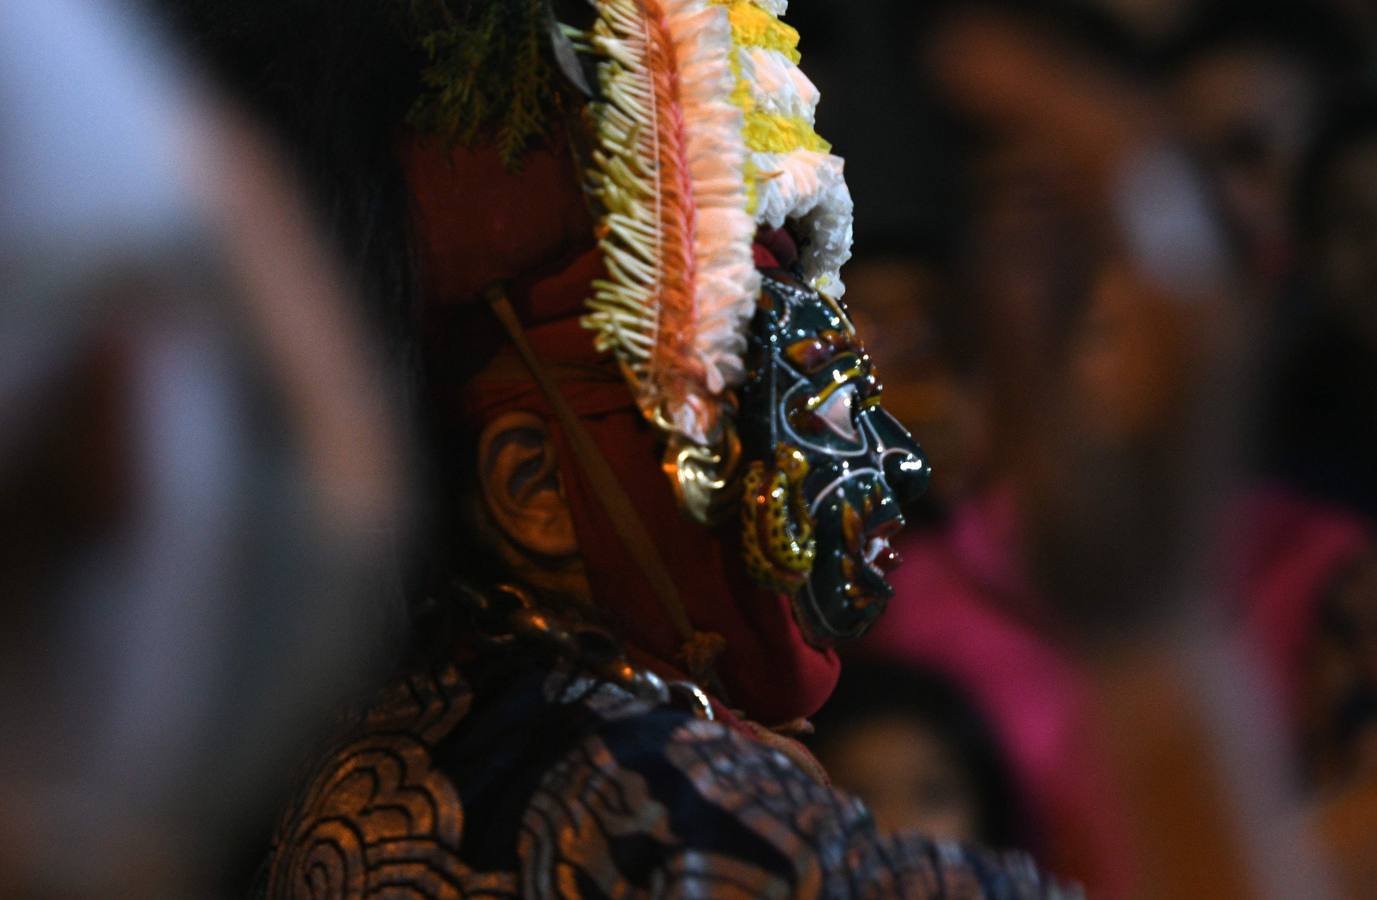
(627, 308)
(805, 186)
(809, 188)
(777, 85)
(727, 280)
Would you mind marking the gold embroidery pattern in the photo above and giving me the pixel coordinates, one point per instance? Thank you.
(588, 802)
(378, 820)
(763, 790)
(584, 804)
(829, 837)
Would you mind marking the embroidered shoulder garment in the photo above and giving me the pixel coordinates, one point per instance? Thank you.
(536, 784)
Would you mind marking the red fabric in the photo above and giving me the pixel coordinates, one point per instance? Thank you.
(775, 248)
(479, 225)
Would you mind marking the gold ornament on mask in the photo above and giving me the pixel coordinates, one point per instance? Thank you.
(776, 529)
(705, 479)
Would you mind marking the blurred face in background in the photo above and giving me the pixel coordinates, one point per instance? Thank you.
(1029, 265)
(1127, 368)
(909, 777)
(1339, 687)
(1247, 110)
(1149, 19)
(1346, 239)
(893, 301)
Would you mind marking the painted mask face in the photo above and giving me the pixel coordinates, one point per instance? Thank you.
(830, 467)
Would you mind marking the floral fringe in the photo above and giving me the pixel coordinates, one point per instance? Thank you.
(705, 128)
(669, 173)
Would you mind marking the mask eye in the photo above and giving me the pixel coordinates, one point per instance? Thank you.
(838, 413)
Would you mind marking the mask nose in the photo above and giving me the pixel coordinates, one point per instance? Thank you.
(906, 469)
(907, 473)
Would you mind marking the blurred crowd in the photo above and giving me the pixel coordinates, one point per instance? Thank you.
(1128, 312)
(1117, 265)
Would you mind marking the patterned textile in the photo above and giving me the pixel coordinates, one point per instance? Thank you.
(530, 783)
